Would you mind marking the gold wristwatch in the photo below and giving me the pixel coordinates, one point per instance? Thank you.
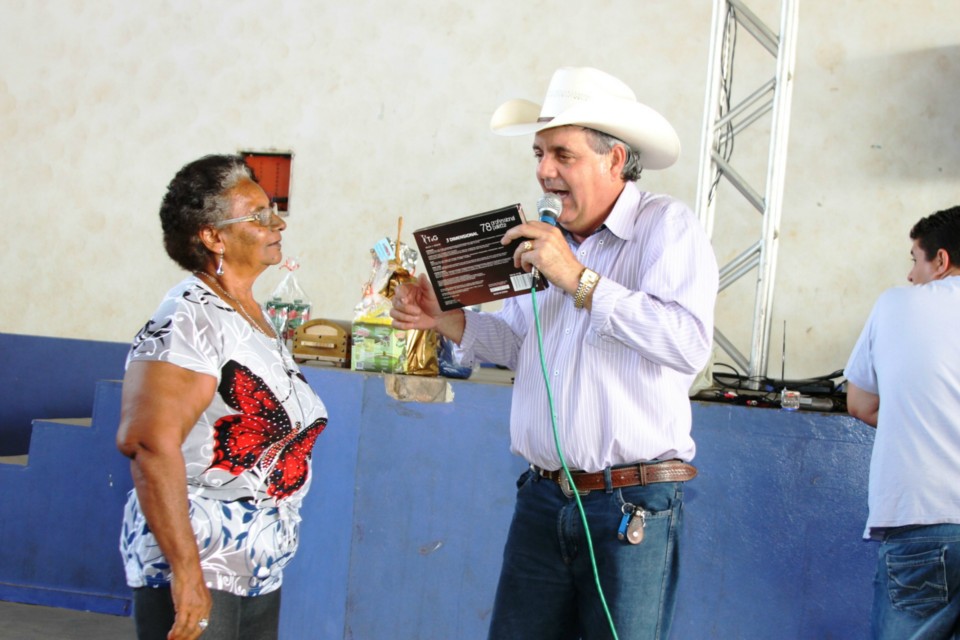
(588, 280)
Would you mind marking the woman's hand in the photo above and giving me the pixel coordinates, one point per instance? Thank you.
(192, 603)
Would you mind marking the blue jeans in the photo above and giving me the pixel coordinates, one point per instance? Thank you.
(547, 588)
(917, 585)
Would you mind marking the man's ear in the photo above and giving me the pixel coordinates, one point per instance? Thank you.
(943, 262)
(618, 158)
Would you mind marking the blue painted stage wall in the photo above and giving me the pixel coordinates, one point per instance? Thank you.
(50, 378)
(404, 525)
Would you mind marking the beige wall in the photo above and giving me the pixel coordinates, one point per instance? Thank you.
(386, 105)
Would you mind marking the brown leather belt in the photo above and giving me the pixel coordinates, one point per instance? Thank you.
(640, 474)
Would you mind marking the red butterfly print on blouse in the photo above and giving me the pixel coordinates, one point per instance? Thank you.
(261, 435)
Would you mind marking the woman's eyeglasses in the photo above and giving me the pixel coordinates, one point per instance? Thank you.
(263, 217)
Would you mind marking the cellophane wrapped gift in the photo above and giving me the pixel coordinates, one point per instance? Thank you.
(376, 344)
(288, 307)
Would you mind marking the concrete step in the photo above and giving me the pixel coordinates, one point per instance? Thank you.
(78, 422)
(23, 459)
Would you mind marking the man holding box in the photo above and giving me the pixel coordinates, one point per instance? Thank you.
(626, 324)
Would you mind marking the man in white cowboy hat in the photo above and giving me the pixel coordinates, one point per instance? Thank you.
(626, 325)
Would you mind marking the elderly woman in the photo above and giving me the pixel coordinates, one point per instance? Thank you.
(217, 420)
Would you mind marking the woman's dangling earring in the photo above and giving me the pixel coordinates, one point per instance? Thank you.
(220, 264)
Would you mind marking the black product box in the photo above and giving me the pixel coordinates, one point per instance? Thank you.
(466, 262)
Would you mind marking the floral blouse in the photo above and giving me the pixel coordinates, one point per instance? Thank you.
(248, 456)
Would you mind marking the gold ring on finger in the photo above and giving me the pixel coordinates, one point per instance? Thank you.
(527, 246)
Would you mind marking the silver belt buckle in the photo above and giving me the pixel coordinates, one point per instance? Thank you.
(564, 483)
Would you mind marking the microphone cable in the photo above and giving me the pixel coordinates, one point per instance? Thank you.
(563, 462)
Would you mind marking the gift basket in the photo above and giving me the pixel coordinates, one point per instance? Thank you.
(376, 345)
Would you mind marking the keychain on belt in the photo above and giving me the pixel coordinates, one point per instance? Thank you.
(632, 523)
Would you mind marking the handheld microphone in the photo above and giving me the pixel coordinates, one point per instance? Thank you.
(549, 207)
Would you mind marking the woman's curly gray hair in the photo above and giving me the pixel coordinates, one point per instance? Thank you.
(198, 196)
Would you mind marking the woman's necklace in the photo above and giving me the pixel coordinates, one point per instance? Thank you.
(216, 283)
(239, 306)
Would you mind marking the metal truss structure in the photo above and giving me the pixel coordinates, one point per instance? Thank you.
(723, 121)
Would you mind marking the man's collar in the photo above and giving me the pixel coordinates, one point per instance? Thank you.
(621, 218)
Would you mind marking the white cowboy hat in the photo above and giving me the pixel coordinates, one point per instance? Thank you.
(591, 98)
